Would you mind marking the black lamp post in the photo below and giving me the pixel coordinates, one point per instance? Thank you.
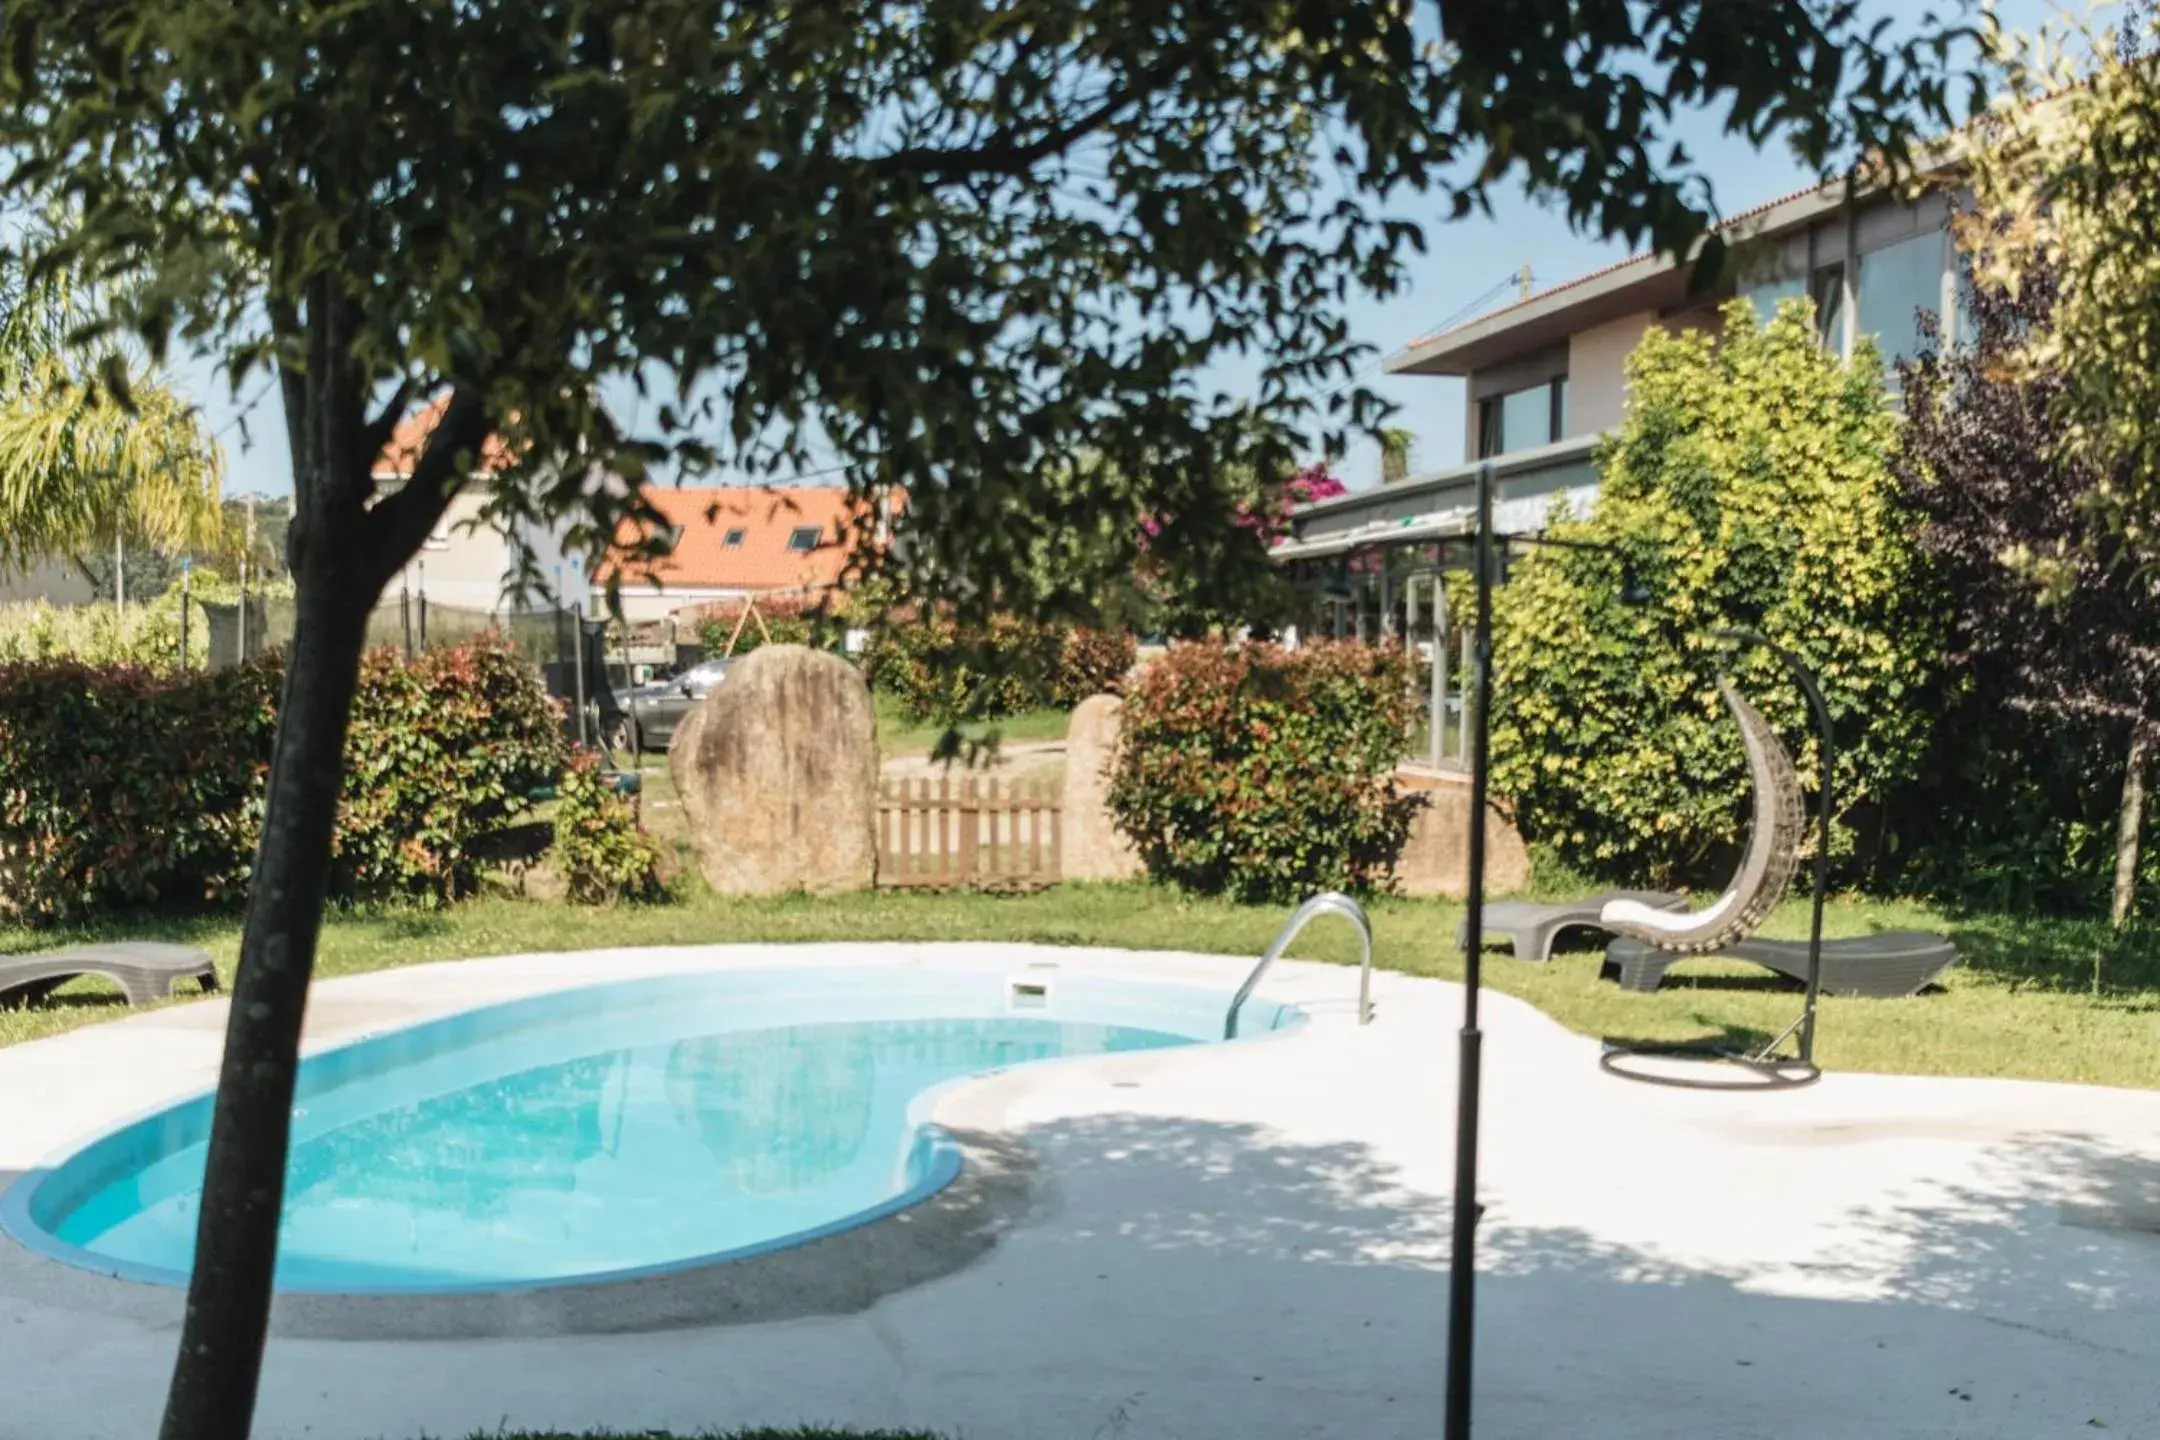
(1462, 1265)
(1462, 1272)
(1462, 1262)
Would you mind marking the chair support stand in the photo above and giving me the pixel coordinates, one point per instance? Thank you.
(1772, 1070)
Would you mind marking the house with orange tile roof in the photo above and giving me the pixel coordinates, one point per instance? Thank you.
(733, 543)
(1540, 381)
(715, 544)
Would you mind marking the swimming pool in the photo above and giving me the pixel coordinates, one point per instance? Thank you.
(609, 1132)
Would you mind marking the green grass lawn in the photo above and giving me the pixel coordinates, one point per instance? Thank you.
(899, 735)
(2023, 1002)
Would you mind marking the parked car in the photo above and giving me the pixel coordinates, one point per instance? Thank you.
(650, 712)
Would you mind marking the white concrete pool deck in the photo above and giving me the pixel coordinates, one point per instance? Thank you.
(1251, 1242)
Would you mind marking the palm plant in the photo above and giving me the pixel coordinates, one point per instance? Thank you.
(92, 447)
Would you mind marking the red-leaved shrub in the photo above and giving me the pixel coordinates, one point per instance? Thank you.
(122, 789)
(1263, 773)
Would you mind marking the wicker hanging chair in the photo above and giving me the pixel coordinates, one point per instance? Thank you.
(1766, 868)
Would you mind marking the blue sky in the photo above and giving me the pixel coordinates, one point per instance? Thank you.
(1464, 260)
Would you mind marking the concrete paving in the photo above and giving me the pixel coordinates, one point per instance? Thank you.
(1251, 1242)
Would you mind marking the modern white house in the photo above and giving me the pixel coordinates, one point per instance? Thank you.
(469, 563)
(1540, 383)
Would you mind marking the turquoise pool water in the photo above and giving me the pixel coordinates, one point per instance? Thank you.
(608, 1132)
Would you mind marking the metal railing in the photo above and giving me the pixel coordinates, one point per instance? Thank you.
(1331, 902)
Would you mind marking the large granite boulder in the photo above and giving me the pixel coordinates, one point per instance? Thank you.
(1094, 848)
(777, 771)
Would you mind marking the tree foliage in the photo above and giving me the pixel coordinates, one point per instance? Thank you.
(963, 246)
(1748, 485)
(2066, 173)
(2052, 614)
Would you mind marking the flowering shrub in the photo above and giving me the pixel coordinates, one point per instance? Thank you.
(1266, 774)
(604, 854)
(121, 788)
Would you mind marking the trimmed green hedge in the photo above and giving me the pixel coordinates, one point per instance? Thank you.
(125, 789)
(1266, 774)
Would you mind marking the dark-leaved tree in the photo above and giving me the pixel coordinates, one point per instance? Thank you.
(981, 251)
(2053, 615)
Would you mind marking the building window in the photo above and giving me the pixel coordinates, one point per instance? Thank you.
(1523, 419)
(1897, 282)
(732, 540)
(1767, 297)
(804, 537)
(1828, 293)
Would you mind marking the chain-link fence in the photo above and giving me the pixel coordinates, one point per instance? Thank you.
(222, 633)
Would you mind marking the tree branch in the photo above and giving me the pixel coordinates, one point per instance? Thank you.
(398, 523)
(1007, 153)
(379, 430)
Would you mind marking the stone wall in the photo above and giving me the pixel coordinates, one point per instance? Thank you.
(1094, 848)
(1436, 859)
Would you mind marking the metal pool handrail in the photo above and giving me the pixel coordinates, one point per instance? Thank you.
(1329, 902)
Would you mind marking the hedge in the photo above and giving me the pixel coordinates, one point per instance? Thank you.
(122, 788)
(145, 632)
(939, 669)
(1266, 774)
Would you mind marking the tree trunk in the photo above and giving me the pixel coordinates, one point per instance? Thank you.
(2129, 826)
(228, 1306)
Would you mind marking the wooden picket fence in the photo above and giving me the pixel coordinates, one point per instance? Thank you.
(971, 833)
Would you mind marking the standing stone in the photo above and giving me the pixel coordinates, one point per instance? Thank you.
(777, 771)
(1095, 849)
(681, 745)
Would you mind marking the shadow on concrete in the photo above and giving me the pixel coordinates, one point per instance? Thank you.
(1313, 1270)
(1220, 1281)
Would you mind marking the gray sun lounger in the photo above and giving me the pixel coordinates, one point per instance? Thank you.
(1531, 928)
(1882, 967)
(143, 969)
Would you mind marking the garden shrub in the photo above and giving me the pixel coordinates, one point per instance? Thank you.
(1092, 662)
(789, 621)
(123, 788)
(1266, 774)
(442, 750)
(940, 669)
(604, 855)
(1748, 485)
